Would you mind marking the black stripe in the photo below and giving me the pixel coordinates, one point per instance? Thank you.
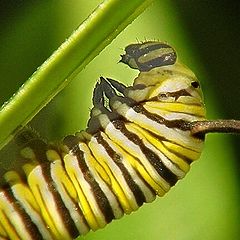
(138, 50)
(78, 209)
(176, 95)
(120, 87)
(40, 148)
(11, 226)
(102, 201)
(76, 206)
(152, 157)
(138, 194)
(158, 61)
(181, 124)
(135, 51)
(178, 154)
(178, 123)
(62, 209)
(161, 139)
(30, 226)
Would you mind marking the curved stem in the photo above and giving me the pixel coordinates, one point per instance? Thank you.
(200, 128)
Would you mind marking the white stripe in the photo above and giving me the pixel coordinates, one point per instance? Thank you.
(68, 200)
(33, 214)
(36, 180)
(118, 137)
(149, 196)
(176, 135)
(172, 115)
(95, 146)
(172, 167)
(85, 187)
(13, 217)
(117, 211)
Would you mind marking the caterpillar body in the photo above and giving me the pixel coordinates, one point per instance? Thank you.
(137, 145)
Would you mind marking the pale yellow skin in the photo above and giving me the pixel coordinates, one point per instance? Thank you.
(168, 92)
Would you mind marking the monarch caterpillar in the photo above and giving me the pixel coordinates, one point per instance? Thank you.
(137, 145)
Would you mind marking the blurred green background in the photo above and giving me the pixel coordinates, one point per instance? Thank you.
(205, 205)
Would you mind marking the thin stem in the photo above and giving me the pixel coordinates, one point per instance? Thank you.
(215, 126)
(96, 32)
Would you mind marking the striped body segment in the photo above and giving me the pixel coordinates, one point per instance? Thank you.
(137, 145)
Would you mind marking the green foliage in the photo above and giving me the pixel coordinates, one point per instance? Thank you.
(63, 65)
(202, 206)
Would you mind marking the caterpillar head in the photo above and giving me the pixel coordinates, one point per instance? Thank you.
(148, 55)
(161, 76)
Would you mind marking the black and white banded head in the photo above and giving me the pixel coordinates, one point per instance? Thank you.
(148, 55)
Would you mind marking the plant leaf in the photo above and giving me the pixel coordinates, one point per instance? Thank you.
(96, 32)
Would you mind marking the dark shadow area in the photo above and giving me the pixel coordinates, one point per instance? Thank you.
(213, 27)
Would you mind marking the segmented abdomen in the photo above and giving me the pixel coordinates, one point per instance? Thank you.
(136, 146)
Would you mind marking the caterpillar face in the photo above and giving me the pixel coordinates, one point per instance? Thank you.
(161, 76)
(148, 55)
(137, 145)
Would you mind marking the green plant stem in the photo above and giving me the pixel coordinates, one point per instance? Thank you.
(97, 31)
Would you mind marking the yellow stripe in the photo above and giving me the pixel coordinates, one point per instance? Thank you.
(61, 175)
(181, 137)
(6, 211)
(2, 231)
(10, 231)
(189, 153)
(126, 161)
(99, 216)
(71, 165)
(100, 156)
(24, 192)
(25, 197)
(43, 197)
(118, 137)
(67, 190)
(136, 164)
(157, 143)
(195, 110)
(104, 182)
